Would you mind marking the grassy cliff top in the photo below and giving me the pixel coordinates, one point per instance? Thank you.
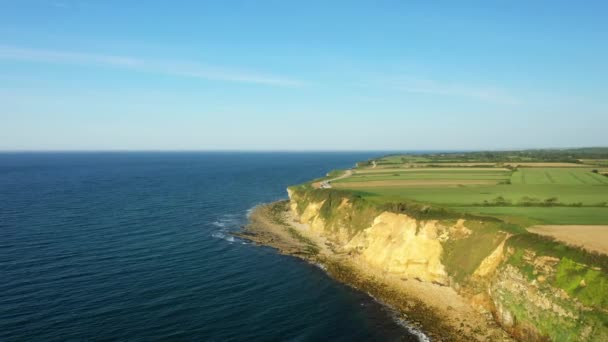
(522, 187)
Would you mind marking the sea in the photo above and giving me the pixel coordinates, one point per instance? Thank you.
(137, 246)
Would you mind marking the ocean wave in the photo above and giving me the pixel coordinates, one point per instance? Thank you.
(399, 319)
(412, 329)
(227, 223)
(321, 266)
(220, 235)
(227, 220)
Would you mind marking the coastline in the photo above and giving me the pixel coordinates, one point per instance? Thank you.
(436, 310)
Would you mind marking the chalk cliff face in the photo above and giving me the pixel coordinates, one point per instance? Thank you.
(398, 244)
(520, 287)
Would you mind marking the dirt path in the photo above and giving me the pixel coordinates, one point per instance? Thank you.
(326, 184)
(593, 238)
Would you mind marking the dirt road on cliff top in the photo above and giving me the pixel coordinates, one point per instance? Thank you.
(326, 184)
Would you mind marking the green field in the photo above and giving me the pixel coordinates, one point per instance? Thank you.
(543, 215)
(476, 195)
(550, 194)
(560, 176)
(398, 159)
(599, 162)
(430, 174)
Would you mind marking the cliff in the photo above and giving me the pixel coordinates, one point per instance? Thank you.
(535, 288)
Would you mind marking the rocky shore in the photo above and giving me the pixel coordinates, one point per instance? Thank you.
(437, 310)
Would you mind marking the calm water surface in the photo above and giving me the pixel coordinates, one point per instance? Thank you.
(136, 246)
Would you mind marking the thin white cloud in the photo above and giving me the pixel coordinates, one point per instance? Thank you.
(182, 69)
(60, 4)
(442, 88)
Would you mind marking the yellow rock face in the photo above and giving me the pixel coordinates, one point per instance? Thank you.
(397, 244)
(492, 261)
(311, 212)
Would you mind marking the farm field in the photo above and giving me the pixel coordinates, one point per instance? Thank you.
(430, 174)
(528, 216)
(476, 195)
(562, 176)
(597, 162)
(363, 171)
(541, 193)
(485, 164)
(594, 238)
(414, 183)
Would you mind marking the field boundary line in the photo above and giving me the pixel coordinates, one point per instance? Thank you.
(576, 177)
(598, 178)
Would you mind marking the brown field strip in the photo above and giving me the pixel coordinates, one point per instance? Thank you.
(593, 238)
(414, 183)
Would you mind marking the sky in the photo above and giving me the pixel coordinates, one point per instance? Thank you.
(302, 75)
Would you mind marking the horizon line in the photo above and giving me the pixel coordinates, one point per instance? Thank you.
(288, 150)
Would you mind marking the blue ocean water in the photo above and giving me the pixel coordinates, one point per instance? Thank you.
(136, 246)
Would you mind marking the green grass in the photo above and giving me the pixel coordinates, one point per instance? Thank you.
(426, 175)
(574, 266)
(401, 159)
(599, 162)
(588, 195)
(575, 195)
(583, 282)
(463, 256)
(561, 176)
(543, 215)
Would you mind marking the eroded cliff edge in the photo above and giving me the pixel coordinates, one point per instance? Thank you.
(535, 288)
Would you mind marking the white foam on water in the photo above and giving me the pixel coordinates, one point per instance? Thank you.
(321, 266)
(250, 210)
(218, 235)
(227, 223)
(412, 330)
(421, 336)
(223, 236)
(394, 314)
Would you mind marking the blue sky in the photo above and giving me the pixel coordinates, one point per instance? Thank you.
(307, 75)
